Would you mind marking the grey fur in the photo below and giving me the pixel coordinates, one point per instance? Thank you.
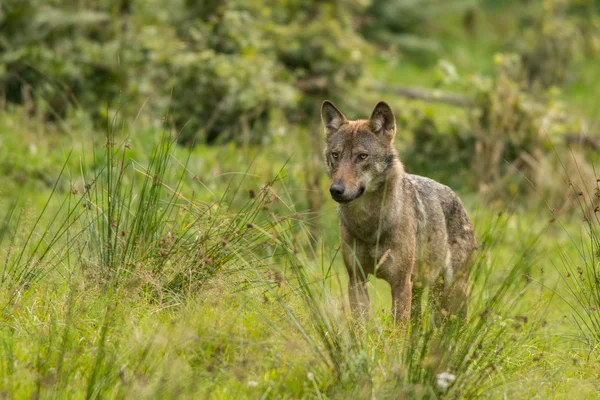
(404, 228)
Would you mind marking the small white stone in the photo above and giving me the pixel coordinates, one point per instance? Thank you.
(444, 379)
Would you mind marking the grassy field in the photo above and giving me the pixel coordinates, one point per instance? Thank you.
(134, 268)
(154, 271)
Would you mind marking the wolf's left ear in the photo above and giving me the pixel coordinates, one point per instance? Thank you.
(383, 121)
(332, 117)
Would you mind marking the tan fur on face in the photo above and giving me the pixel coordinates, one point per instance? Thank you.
(350, 140)
(403, 228)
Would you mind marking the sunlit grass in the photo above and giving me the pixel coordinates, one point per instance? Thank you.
(126, 315)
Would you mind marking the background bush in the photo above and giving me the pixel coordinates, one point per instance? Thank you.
(221, 68)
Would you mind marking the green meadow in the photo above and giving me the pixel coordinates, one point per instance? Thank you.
(167, 230)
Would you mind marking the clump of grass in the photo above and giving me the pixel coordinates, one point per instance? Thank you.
(127, 228)
(126, 221)
(579, 270)
(30, 256)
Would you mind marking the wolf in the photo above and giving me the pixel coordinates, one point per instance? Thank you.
(409, 230)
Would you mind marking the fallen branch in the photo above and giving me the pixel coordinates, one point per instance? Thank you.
(590, 141)
(416, 93)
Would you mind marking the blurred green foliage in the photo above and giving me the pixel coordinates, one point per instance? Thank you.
(402, 24)
(221, 67)
(507, 127)
(231, 70)
(553, 36)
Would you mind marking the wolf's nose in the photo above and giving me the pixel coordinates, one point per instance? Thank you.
(337, 189)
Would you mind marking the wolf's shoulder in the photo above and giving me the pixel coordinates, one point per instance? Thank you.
(433, 193)
(427, 186)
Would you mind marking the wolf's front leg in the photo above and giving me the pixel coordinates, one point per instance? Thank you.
(401, 299)
(358, 295)
(456, 296)
(402, 285)
(355, 258)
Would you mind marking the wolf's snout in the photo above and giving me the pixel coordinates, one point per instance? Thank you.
(337, 189)
(342, 194)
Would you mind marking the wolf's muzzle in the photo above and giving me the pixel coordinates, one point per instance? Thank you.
(337, 190)
(339, 193)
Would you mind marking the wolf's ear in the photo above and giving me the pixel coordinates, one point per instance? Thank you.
(382, 120)
(332, 117)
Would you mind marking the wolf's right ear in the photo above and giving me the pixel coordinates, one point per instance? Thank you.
(332, 117)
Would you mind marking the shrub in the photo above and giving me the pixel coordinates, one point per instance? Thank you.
(551, 38)
(506, 141)
(55, 56)
(402, 24)
(221, 68)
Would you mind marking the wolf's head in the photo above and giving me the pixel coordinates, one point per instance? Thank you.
(358, 153)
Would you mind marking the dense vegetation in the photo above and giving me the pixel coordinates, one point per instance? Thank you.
(165, 231)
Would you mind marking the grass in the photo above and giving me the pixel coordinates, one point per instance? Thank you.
(140, 278)
(135, 268)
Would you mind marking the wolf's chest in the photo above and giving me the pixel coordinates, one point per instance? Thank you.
(367, 223)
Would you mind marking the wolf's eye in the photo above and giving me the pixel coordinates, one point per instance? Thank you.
(363, 156)
(335, 154)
